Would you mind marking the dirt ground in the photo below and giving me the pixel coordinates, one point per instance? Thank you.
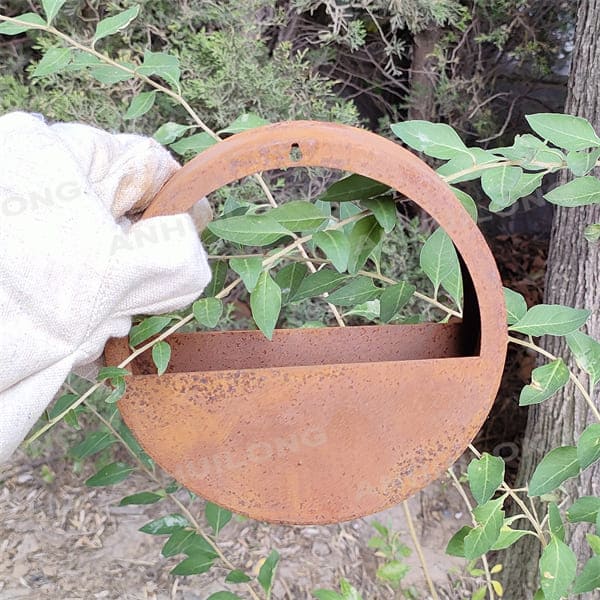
(66, 541)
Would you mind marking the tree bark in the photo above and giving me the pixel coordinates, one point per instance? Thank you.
(423, 74)
(572, 279)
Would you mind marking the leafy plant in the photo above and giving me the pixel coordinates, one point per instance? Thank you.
(331, 248)
(387, 545)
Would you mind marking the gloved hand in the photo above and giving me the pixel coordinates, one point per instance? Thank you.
(73, 269)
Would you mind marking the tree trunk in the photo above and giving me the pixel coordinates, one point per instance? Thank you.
(572, 279)
(423, 74)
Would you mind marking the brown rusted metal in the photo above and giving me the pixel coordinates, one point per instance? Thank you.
(321, 425)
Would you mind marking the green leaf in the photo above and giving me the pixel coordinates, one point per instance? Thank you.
(140, 105)
(134, 445)
(118, 392)
(62, 404)
(217, 281)
(111, 373)
(564, 131)
(393, 572)
(165, 525)
(141, 498)
(584, 510)
(93, 443)
(594, 541)
(490, 518)
(53, 61)
(318, 283)
(516, 307)
(51, 8)
(161, 355)
(71, 420)
(359, 290)
(588, 446)
(467, 202)
(8, 28)
(326, 595)
(249, 269)
(116, 23)
(289, 279)
(82, 60)
(237, 576)
(347, 210)
(169, 132)
(208, 311)
(579, 192)
(245, 122)
(250, 230)
(393, 299)
(586, 351)
(551, 319)
(348, 591)
(335, 245)
(368, 310)
(526, 185)
(265, 302)
(267, 572)
(557, 569)
(440, 263)
(186, 541)
(556, 467)
(193, 143)
(589, 579)
(581, 163)
(110, 475)
(353, 187)
(363, 238)
(456, 545)
(216, 516)
(161, 64)
(384, 210)
(485, 476)
(508, 537)
(223, 596)
(480, 594)
(555, 523)
(109, 74)
(434, 139)
(460, 168)
(147, 328)
(194, 565)
(500, 184)
(532, 153)
(298, 216)
(453, 283)
(545, 382)
(592, 232)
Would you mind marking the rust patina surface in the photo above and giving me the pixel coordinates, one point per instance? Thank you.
(321, 425)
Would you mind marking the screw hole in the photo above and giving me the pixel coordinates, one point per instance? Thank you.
(295, 153)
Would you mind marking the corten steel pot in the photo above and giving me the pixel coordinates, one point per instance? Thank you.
(321, 425)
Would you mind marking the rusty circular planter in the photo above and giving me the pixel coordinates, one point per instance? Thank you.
(321, 425)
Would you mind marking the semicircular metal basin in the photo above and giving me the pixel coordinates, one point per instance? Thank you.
(320, 425)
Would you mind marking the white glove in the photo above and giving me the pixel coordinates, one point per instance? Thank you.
(73, 269)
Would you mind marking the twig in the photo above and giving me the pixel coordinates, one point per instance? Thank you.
(486, 567)
(419, 550)
(586, 396)
(184, 509)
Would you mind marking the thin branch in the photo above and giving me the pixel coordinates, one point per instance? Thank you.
(419, 550)
(184, 509)
(586, 396)
(463, 495)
